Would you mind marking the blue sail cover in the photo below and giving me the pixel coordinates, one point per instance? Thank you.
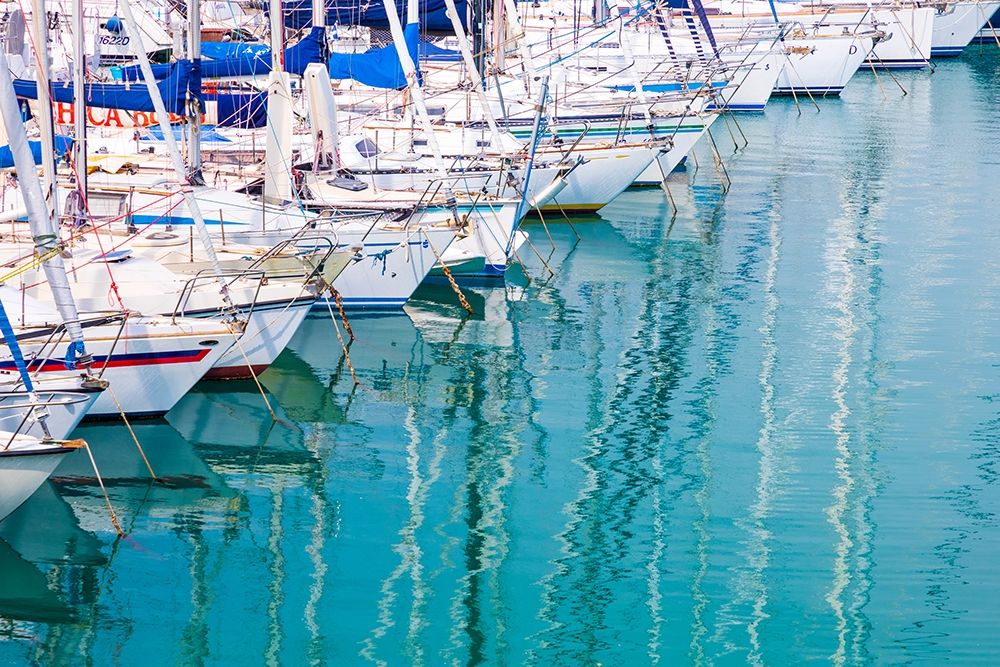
(62, 146)
(243, 110)
(379, 67)
(699, 9)
(254, 61)
(10, 338)
(183, 79)
(430, 51)
(223, 50)
(371, 13)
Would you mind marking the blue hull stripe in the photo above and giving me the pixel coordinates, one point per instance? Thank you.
(383, 303)
(737, 107)
(896, 64)
(142, 220)
(946, 51)
(808, 91)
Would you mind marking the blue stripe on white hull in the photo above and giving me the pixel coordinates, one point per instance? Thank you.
(737, 107)
(946, 51)
(896, 64)
(815, 92)
(363, 302)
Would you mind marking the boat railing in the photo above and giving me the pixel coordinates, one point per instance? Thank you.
(209, 275)
(333, 215)
(576, 142)
(57, 333)
(320, 244)
(67, 398)
(430, 192)
(451, 202)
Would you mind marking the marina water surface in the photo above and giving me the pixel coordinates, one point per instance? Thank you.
(767, 431)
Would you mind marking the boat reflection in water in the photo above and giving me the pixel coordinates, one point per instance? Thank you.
(694, 436)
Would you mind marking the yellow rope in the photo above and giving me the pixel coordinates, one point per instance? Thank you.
(33, 264)
(450, 277)
(343, 345)
(339, 300)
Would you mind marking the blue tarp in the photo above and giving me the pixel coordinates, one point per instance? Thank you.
(10, 338)
(63, 145)
(208, 134)
(255, 62)
(223, 50)
(698, 8)
(430, 51)
(245, 110)
(183, 76)
(371, 13)
(379, 68)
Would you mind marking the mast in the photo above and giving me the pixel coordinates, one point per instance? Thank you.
(277, 34)
(521, 38)
(194, 105)
(174, 152)
(278, 149)
(40, 38)
(474, 73)
(412, 83)
(319, 14)
(44, 232)
(322, 114)
(322, 105)
(79, 114)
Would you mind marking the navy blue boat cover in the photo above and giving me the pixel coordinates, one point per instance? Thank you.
(183, 80)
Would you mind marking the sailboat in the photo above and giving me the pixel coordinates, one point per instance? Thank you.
(26, 460)
(149, 362)
(270, 306)
(25, 463)
(957, 23)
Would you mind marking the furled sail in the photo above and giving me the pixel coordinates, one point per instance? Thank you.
(43, 229)
(243, 61)
(62, 146)
(379, 67)
(298, 13)
(183, 80)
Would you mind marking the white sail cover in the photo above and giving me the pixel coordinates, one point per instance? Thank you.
(43, 229)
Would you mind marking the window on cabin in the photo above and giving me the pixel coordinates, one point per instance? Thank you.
(366, 148)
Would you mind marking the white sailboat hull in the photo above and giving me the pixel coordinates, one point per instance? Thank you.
(752, 84)
(668, 161)
(491, 238)
(392, 268)
(149, 367)
(955, 25)
(64, 409)
(908, 38)
(607, 173)
(22, 471)
(821, 65)
(268, 330)
(390, 263)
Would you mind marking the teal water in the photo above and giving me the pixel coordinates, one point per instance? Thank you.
(766, 432)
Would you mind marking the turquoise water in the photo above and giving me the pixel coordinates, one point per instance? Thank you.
(766, 432)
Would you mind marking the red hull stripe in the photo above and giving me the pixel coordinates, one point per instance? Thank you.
(121, 360)
(235, 372)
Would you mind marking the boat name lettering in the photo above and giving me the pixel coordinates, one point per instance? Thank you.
(114, 40)
(65, 115)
